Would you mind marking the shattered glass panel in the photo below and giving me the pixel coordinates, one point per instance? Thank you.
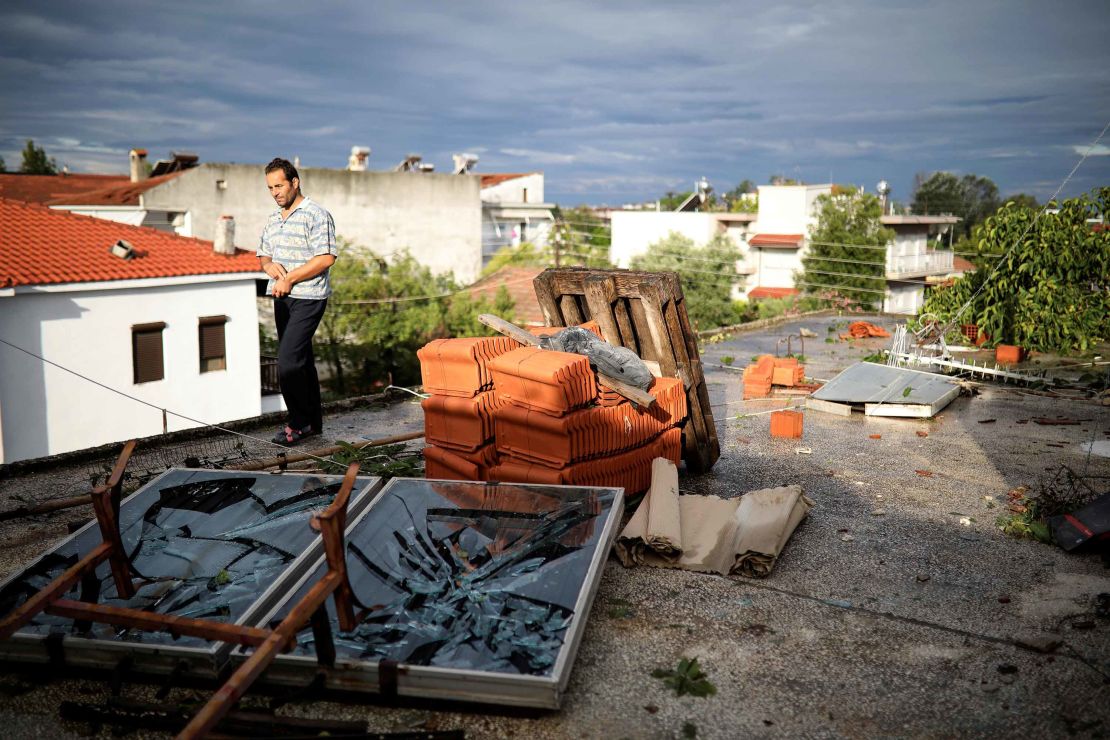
(201, 543)
(467, 575)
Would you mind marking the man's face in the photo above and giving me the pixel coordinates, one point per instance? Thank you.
(283, 191)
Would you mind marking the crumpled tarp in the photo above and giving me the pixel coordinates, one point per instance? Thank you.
(710, 534)
(620, 363)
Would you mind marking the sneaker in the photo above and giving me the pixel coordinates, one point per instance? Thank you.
(287, 435)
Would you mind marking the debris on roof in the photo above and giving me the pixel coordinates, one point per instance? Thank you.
(709, 534)
(882, 390)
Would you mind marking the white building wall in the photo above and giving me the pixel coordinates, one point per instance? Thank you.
(904, 298)
(90, 332)
(170, 222)
(635, 231)
(524, 189)
(788, 209)
(436, 217)
(774, 268)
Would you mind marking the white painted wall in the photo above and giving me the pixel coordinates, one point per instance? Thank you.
(787, 209)
(904, 298)
(46, 411)
(513, 191)
(436, 217)
(635, 231)
(170, 222)
(774, 268)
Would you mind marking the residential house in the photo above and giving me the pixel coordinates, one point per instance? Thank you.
(634, 231)
(775, 241)
(153, 315)
(518, 281)
(514, 211)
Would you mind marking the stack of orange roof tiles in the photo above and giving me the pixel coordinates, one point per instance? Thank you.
(767, 371)
(544, 420)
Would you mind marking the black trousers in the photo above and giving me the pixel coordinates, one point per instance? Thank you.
(297, 319)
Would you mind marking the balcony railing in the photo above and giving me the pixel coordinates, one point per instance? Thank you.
(930, 262)
(268, 366)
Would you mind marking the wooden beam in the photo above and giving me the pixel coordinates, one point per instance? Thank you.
(153, 622)
(53, 591)
(229, 694)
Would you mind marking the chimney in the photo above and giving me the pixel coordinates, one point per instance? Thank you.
(138, 164)
(224, 243)
(357, 161)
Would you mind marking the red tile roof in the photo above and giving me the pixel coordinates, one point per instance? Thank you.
(959, 264)
(41, 246)
(488, 181)
(761, 292)
(518, 281)
(120, 194)
(780, 241)
(43, 188)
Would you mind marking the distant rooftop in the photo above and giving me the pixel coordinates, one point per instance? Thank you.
(45, 188)
(496, 178)
(117, 194)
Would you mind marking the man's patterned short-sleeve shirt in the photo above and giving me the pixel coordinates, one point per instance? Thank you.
(308, 232)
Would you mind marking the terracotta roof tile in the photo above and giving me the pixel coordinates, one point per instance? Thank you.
(762, 292)
(959, 264)
(119, 194)
(518, 281)
(43, 188)
(40, 246)
(776, 240)
(496, 178)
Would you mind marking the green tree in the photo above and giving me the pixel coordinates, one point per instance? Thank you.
(673, 200)
(382, 312)
(1025, 200)
(970, 197)
(743, 198)
(1048, 288)
(708, 275)
(35, 161)
(582, 237)
(842, 260)
(3, 167)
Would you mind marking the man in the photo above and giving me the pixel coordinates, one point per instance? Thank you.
(296, 251)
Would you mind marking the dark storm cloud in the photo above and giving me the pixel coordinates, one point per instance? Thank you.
(615, 101)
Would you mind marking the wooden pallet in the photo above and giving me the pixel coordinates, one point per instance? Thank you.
(646, 312)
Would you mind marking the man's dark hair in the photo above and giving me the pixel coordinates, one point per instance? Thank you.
(277, 163)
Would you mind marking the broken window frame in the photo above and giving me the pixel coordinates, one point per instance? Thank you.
(456, 684)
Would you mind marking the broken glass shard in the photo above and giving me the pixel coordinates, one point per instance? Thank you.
(474, 576)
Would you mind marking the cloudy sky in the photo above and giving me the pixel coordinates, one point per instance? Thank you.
(615, 101)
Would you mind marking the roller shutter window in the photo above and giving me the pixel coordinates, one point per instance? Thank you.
(213, 349)
(146, 352)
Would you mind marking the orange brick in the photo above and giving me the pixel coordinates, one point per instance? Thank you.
(1008, 354)
(786, 424)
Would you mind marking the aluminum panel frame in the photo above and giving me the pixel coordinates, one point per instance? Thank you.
(454, 684)
(161, 659)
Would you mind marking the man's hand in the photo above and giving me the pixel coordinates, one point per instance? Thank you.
(274, 270)
(282, 286)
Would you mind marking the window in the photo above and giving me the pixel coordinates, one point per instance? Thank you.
(213, 352)
(146, 352)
